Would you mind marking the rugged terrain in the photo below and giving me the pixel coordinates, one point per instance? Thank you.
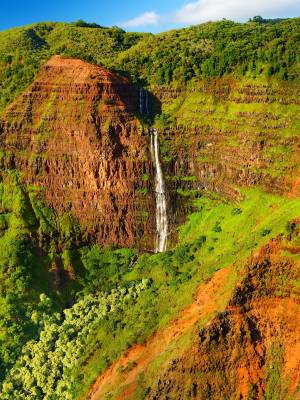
(248, 350)
(251, 349)
(87, 310)
(74, 133)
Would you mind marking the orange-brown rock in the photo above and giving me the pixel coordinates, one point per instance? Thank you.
(251, 350)
(74, 133)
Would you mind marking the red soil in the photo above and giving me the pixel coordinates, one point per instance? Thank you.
(206, 302)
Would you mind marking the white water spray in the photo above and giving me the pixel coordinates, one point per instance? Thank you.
(160, 195)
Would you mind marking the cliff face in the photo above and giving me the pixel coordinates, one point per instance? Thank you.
(227, 114)
(227, 132)
(251, 350)
(74, 133)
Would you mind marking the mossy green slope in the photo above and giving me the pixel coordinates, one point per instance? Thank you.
(218, 235)
(45, 265)
(263, 48)
(23, 50)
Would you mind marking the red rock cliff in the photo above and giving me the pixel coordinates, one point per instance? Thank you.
(74, 133)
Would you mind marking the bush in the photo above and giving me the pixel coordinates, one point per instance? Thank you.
(265, 232)
(236, 211)
(217, 228)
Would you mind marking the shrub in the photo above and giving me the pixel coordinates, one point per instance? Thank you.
(265, 232)
(217, 228)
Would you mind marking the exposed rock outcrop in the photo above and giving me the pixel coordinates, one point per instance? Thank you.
(75, 134)
(251, 350)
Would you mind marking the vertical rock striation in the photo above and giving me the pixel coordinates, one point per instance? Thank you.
(75, 134)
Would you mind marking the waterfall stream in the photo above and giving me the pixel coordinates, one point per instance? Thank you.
(141, 101)
(160, 195)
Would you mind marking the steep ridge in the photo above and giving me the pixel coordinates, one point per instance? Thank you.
(75, 134)
(251, 350)
(248, 350)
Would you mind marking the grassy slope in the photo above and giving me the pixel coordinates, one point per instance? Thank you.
(232, 232)
(23, 50)
(207, 50)
(217, 235)
(270, 300)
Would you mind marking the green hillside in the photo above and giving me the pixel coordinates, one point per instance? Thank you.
(227, 105)
(209, 50)
(24, 50)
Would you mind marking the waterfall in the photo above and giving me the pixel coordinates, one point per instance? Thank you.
(146, 103)
(141, 101)
(160, 195)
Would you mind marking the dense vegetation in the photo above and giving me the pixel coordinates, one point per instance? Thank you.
(69, 308)
(209, 50)
(24, 50)
(30, 238)
(215, 49)
(118, 298)
(47, 366)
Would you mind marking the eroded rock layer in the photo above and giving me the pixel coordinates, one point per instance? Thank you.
(251, 350)
(226, 133)
(75, 134)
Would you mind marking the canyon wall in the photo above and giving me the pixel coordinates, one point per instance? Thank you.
(225, 132)
(75, 134)
(219, 135)
(78, 133)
